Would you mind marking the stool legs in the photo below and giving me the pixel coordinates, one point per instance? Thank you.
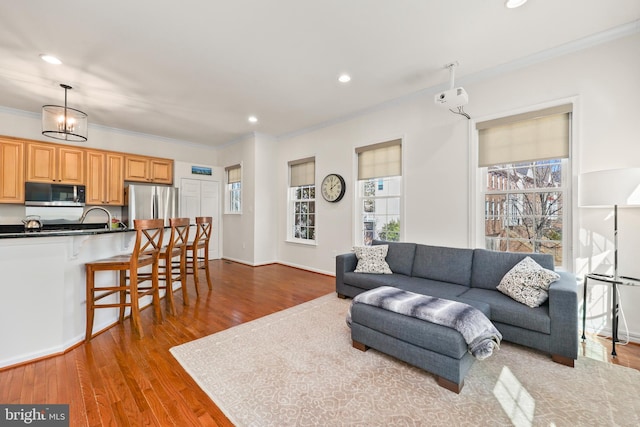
(206, 266)
(122, 278)
(183, 276)
(156, 294)
(122, 291)
(90, 309)
(135, 308)
(168, 277)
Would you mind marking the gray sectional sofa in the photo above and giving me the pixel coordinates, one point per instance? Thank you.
(471, 276)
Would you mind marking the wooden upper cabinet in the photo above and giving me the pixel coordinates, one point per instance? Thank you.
(55, 163)
(114, 182)
(103, 172)
(162, 171)
(105, 178)
(148, 169)
(11, 171)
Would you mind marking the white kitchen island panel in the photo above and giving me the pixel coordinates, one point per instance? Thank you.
(43, 292)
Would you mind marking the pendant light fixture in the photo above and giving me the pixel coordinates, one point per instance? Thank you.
(64, 123)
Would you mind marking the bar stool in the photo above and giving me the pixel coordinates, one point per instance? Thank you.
(171, 270)
(204, 228)
(149, 233)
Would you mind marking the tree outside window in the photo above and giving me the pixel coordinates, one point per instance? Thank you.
(526, 214)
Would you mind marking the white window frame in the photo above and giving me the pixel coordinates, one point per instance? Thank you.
(477, 183)
(293, 200)
(233, 191)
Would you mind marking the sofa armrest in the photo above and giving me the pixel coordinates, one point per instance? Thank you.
(563, 311)
(345, 263)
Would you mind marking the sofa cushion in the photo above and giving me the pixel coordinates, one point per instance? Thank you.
(489, 267)
(399, 256)
(443, 264)
(371, 259)
(367, 281)
(506, 310)
(429, 287)
(527, 282)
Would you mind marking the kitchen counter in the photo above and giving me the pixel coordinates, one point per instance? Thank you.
(43, 289)
(57, 232)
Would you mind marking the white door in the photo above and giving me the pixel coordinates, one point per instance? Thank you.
(190, 198)
(201, 198)
(210, 206)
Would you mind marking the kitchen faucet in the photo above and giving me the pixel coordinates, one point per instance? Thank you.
(84, 215)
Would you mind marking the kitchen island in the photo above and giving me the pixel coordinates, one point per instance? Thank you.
(43, 291)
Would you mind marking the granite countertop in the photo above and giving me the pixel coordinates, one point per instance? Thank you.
(18, 231)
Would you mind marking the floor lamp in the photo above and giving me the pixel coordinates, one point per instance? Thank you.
(610, 188)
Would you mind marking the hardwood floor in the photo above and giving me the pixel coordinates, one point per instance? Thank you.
(117, 379)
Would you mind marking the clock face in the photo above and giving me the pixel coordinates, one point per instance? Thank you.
(333, 188)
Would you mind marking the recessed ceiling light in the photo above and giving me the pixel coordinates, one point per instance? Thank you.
(512, 4)
(344, 78)
(253, 119)
(50, 59)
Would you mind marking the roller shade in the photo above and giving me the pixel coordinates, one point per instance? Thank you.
(380, 160)
(302, 172)
(532, 136)
(233, 174)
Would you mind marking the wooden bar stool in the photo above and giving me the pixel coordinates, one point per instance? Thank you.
(172, 270)
(204, 228)
(149, 233)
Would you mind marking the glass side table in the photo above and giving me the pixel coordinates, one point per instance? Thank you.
(622, 280)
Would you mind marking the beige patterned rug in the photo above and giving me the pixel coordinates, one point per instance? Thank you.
(297, 368)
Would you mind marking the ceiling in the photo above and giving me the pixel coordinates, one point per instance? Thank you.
(196, 70)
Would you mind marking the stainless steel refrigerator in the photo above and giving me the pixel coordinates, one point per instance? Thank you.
(150, 202)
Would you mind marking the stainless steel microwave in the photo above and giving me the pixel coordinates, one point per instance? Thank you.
(43, 194)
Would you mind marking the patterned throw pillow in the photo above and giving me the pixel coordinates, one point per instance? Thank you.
(371, 259)
(528, 282)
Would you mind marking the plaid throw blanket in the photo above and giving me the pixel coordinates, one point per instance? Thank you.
(480, 334)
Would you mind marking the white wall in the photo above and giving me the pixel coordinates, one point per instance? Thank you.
(238, 229)
(266, 196)
(436, 172)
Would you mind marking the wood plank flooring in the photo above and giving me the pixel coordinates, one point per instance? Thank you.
(117, 379)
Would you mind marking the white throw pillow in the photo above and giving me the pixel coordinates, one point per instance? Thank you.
(528, 282)
(371, 259)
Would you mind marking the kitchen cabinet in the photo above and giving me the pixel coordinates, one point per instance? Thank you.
(55, 163)
(11, 171)
(105, 178)
(148, 169)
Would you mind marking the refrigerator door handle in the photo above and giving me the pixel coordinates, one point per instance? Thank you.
(155, 205)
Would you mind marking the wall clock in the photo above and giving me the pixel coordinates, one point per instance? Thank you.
(333, 188)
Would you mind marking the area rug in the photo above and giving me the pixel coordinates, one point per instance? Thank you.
(297, 368)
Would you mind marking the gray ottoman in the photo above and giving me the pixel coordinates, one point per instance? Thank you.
(437, 349)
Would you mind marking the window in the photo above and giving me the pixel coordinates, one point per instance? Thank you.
(525, 166)
(302, 201)
(234, 189)
(379, 192)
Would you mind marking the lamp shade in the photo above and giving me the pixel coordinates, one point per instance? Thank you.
(63, 122)
(606, 188)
